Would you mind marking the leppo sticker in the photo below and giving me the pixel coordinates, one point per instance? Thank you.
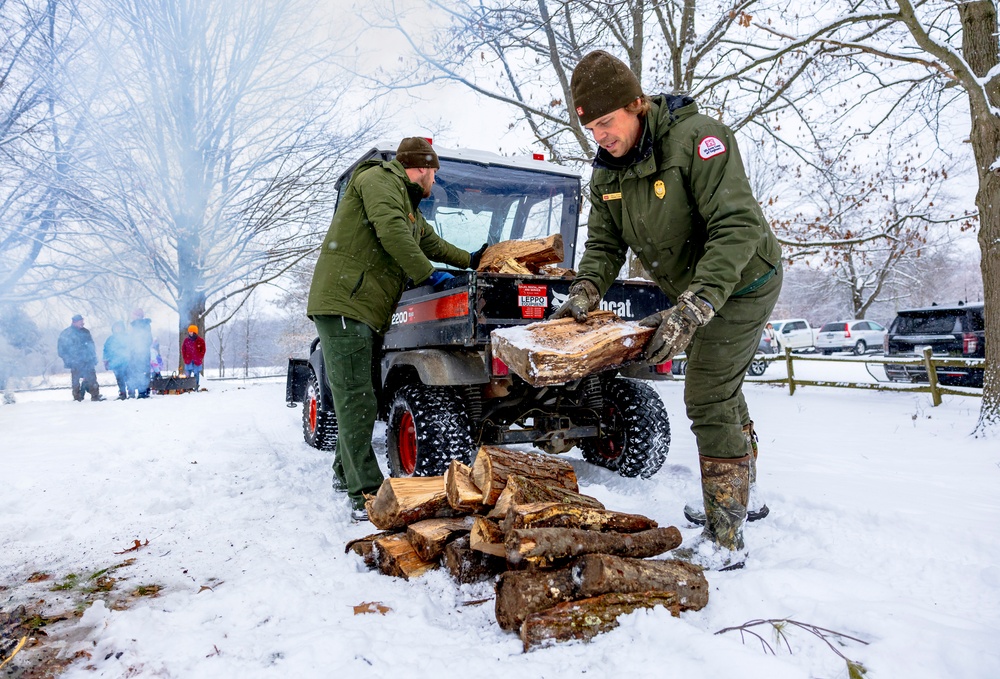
(532, 298)
(710, 146)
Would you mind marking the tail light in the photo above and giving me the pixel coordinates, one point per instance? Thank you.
(847, 331)
(537, 156)
(499, 367)
(969, 343)
(663, 368)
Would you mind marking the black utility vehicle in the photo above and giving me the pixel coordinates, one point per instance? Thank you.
(954, 331)
(442, 393)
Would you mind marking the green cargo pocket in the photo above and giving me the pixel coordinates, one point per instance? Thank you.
(350, 361)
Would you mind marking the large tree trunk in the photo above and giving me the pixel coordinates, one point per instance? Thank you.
(545, 546)
(979, 46)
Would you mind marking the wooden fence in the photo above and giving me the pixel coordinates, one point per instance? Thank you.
(927, 361)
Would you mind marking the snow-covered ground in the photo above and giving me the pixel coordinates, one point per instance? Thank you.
(884, 524)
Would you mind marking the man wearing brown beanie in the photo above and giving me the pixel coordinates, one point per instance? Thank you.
(669, 184)
(378, 239)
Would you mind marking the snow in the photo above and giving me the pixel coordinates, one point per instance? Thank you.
(883, 526)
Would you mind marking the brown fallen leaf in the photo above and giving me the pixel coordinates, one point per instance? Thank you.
(134, 548)
(371, 607)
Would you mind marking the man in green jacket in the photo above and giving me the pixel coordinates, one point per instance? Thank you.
(378, 239)
(669, 184)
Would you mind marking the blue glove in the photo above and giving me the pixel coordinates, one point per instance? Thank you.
(439, 278)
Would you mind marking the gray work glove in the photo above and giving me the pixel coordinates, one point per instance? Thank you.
(675, 327)
(583, 297)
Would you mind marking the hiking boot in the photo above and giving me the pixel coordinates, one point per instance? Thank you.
(97, 398)
(725, 489)
(338, 485)
(757, 509)
(359, 514)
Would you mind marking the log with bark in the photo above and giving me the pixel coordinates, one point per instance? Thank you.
(563, 350)
(531, 254)
(586, 618)
(468, 565)
(487, 537)
(400, 502)
(546, 546)
(564, 515)
(520, 490)
(521, 593)
(430, 536)
(494, 464)
(396, 556)
(463, 494)
(365, 547)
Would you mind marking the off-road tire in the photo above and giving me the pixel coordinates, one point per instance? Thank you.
(639, 436)
(427, 428)
(319, 426)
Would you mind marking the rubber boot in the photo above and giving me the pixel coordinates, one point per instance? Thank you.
(725, 484)
(757, 509)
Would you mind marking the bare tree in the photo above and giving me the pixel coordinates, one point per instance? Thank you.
(214, 148)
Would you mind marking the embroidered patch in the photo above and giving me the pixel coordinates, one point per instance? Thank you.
(579, 110)
(710, 146)
(659, 189)
(613, 196)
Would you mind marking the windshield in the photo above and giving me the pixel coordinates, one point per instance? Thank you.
(472, 204)
(929, 323)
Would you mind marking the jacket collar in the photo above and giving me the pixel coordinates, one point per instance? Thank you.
(664, 112)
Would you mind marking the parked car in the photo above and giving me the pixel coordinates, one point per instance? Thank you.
(794, 333)
(857, 335)
(757, 366)
(950, 331)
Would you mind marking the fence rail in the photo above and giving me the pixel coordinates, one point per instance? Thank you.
(928, 362)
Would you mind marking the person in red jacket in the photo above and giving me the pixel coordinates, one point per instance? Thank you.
(193, 353)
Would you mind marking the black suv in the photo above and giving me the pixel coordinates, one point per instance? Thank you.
(953, 331)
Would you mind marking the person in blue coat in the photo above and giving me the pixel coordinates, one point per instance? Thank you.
(116, 357)
(76, 349)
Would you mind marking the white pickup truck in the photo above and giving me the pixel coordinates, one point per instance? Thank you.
(794, 333)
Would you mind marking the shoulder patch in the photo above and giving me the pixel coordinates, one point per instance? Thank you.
(710, 146)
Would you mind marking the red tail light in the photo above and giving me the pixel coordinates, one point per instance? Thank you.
(969, 343)
(847, 331)
(499, 367)
(663, 368)
(537, 156)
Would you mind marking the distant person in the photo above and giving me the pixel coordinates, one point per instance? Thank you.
(771, 338)
(140, 339)
(76, 349)
(116, 357)
(156, 363)
(193, 354)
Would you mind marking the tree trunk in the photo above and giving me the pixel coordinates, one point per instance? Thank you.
(544, 546)
(979, 46)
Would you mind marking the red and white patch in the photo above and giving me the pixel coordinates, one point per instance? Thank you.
(710, 146)
(579, 110)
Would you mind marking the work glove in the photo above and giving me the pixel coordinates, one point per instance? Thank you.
(675, 326)
(583, 297)
(439, 278)
(476, 257)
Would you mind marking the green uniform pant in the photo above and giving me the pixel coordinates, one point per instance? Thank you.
(347, 350)
(717, 361)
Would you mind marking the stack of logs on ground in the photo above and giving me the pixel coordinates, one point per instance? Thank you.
(567, 566)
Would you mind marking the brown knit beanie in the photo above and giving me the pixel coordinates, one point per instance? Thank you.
(415, 152)
(602, 84)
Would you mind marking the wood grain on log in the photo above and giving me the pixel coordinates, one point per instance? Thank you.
(544, 546)
(396, 556)
(468, 565)
(365, 547)
(562, 350)
(486, 537)
(430, 536)
(520, 490)
(530, 253)
(521, 593)
(402, 501)
(494, 464)
(586, 618)
(463, 494)
(560, 515)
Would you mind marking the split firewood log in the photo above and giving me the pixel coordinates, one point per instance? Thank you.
(365, 547)
(529, 253)
(555, 271)
(468, 565)
(396, 556)
(494, 464)
(521, 490)
(430, 536)
(563, 515)
(486, 537)
(563, 350)
(521, 593)
(586, 618)
(402, 501)
(546, 546)
(463, 494)
(515, 267)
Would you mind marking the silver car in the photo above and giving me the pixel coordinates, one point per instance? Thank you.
(857, 335)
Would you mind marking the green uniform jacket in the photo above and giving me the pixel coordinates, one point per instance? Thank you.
(377, 240)
(684, 207)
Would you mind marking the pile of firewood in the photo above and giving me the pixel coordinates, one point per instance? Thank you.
(567, 566)
(538, 256)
